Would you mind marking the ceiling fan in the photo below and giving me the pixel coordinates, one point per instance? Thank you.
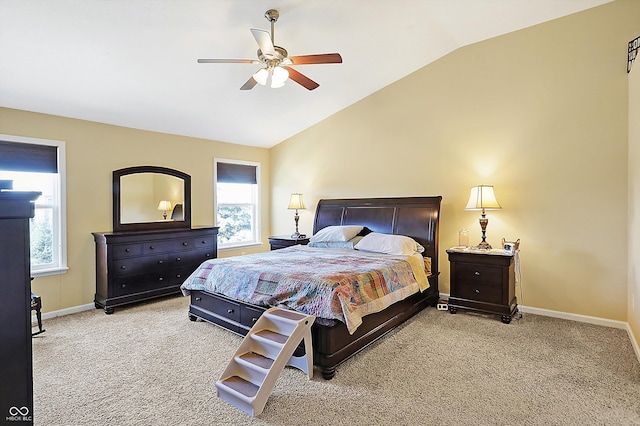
(276, 60)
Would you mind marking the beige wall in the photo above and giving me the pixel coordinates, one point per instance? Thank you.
(634, 201)
(94, 150)
(540, 113)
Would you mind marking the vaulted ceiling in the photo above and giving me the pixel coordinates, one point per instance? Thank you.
(133, 62)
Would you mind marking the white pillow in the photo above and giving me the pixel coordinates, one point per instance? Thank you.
(389, 244)
(336, 233)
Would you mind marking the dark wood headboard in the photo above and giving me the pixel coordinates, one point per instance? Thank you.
(415, 217)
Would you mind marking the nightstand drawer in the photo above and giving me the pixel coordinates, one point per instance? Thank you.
(480, 292)
(479, 273)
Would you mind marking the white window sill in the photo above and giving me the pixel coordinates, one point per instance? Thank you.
(52, 271)
(238, 246)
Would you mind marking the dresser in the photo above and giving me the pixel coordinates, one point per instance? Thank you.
(136, 266)
(16, 360)
(483, 281)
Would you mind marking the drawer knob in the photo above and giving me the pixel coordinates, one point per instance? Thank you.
(123, 267)
(185, 244)
(150, 247)
(160, 279)
(229, 311)
(477, 273)
(178, 259)
(198, 299)
(477, 291)
(127, 250)
(203, 242)
(178, 275)
(254, 319)
(207, 255)
(160, 262)
(123, 285)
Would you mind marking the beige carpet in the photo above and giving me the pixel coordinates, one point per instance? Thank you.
(149, 365)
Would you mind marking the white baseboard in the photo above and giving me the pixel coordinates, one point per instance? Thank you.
(574, 317)
(634, 342)
(62, 312)
(580, 318)
(525, 309)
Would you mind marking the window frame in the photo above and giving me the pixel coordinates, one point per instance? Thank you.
(60, 216)
(258, 197)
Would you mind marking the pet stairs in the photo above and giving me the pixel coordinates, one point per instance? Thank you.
(267, 348)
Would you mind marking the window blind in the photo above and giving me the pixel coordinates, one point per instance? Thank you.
(27, 157)
(236, 173)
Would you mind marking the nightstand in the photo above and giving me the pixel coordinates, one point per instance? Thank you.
(483, 281)
(282, 241)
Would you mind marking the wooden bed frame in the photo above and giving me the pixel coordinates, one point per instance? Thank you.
(416, 217)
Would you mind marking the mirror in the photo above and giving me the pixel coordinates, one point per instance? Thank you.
(151, 198)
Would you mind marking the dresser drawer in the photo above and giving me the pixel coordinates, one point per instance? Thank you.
(139, 265)
(178, 275)
(481, 292)
(167, 246)
(140, 283)
(121, 251)
(191, 258)
(479, 273)
(219, 306)
(204, 241)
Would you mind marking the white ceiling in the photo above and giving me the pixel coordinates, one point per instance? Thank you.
(133, 62)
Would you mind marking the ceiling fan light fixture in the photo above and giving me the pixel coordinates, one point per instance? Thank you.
(261, 76)
(273, 77)
(279, 76)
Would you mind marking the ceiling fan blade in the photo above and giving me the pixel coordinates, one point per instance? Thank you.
(228, 61)
(301, 79)
(264, 41)
(249, 84)
(326, 58)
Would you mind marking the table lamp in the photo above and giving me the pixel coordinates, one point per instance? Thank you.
(483, 198)
(296, 203)
(164, 206)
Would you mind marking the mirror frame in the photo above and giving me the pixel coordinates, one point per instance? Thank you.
(118, 226)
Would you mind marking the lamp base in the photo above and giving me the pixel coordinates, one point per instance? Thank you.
(483, 245)
(296, 236)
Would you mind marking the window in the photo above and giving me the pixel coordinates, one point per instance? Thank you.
(38, 165)
(236, 201)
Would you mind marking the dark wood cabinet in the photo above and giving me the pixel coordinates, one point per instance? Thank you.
(483, 281)
(136, 266)
(283, 241)
(16, 359)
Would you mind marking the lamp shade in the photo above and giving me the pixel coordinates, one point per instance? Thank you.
(164, 205)
(296, 202)
(482, 197)
(261, 76)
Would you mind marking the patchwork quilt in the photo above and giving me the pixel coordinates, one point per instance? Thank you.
(340, 284)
